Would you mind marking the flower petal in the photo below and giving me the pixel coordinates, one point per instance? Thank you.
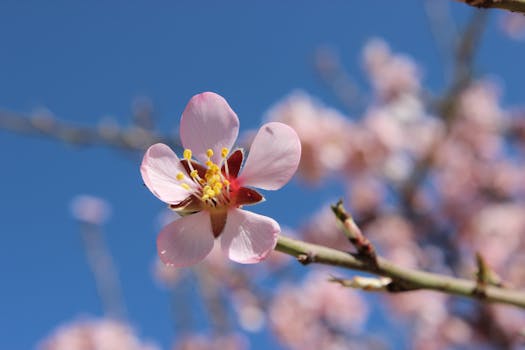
(273, 157)
(248, 237)
(186, 241)
(208, 122)
(159, 170)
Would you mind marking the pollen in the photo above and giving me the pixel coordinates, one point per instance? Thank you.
(185, 186)
(187, 154)
(213, 182)
(180, 176)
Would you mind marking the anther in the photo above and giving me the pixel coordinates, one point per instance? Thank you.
(224, 152)
(187, 154)
(180, 176)
(209, 153)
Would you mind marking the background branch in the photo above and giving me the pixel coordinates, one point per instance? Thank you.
(134, 138)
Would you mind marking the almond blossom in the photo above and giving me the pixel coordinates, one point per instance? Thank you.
(208, 192)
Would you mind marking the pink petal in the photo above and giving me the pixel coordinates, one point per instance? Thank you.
(248, 237)
(186, 241)
(159, 170)
(208, 122)
(273, 157)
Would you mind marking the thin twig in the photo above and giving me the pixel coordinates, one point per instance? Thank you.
(365, 249)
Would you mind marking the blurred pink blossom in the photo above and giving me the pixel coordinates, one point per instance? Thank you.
(324, 134)
(222, 342)
(513, 24)
(90, 209)
(496, 232)
(95, 334)
(512, 320)
(213, 190)
(390, 74)
(395, 237)
(313, 314)
(322, 228)
(366, 194)
(434, 328)
(404, 125)
(250, 313)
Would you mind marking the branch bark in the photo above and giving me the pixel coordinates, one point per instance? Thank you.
(403, 279)
(509, 5)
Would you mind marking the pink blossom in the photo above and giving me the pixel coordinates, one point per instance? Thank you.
(212, 189)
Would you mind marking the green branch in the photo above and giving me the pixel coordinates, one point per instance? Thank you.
(403, 279)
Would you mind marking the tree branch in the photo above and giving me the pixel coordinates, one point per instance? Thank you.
(403, 279)
(510, 5)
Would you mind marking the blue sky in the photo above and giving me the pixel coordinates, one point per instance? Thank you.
(88, 60)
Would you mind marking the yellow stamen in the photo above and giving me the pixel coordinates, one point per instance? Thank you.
(194, 174)
(187, 154)
(209, 153)
(226, 182)
(185, 186)
(224, 152)
(180, 176)
(209, 163)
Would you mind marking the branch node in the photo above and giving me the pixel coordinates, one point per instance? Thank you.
(307, 258)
